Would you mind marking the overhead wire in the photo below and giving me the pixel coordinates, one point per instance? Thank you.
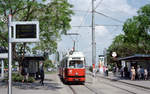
(98, 4)
(84, 19)
(114, 19)
(108, 25)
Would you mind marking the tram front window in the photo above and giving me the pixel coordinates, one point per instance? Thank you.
(76, 64)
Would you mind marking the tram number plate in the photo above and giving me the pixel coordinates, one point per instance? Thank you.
(76, 79)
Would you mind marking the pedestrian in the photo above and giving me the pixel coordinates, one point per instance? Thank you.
(121, 71)
(132, 73)
(126, 71)
(41, 73)
(114, 71)
(24, 73)
(145, 74)
(142, 72)
(42, 77)
(106, 70)
(117, 71)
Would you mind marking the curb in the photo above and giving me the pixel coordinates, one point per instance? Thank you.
(125, 82)
(135, 85)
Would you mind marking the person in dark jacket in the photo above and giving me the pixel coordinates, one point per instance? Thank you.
(24, 73)
(42, 75)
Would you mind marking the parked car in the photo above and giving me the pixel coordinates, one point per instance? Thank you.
(49, 69)
(14, 69)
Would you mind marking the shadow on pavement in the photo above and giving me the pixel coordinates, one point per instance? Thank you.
(28, 86)
(48, 85)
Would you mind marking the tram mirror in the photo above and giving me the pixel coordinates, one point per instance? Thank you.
(27, 31)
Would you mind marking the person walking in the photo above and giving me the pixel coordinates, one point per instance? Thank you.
(24, 73)
(106, 70)
(42, 77)
(145, 74)
(132, 73)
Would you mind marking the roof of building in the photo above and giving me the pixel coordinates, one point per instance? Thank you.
(136, 57)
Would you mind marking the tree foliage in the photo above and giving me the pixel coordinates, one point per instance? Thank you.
(136, 37)
(48, 64)
(54, 18)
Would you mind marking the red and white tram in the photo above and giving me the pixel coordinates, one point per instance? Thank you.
(72, 67)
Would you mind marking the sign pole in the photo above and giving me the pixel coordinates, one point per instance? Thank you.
(2, 69)
(9, 56)
(93, 40)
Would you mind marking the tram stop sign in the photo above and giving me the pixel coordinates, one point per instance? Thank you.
(25, 31)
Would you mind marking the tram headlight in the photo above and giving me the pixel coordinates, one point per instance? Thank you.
(76, 73)
(70, 71)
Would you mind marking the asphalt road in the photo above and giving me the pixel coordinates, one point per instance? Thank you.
(53, 85)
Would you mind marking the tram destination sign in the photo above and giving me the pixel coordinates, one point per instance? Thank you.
(25, 31)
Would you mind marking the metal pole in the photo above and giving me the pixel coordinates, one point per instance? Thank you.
(9, 56)
(74, 45)
(93, 39)
(2, 70)
(105, 56)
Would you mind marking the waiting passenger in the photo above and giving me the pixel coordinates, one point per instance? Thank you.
(142, 72)
(138, 72)
(145, 74)
(133, 73)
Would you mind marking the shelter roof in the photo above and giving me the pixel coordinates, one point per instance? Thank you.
(136, 57)
(34, 57)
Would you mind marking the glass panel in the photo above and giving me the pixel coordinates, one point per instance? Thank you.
(76, 64)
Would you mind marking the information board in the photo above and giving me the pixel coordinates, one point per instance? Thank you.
(25, 31)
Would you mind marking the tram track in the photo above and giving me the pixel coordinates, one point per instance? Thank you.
(90, 88)
(81, 86)
(120, 88)
(73, 90)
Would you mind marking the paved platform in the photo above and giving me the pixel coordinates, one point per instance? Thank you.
(139, 83)
(52, 85)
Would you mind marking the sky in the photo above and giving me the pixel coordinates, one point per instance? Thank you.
(104, 34)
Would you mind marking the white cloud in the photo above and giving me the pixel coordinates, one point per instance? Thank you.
(101, 31)
(81, 4)
(76, 20)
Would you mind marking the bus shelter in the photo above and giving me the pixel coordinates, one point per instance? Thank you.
(31, 63)
(3, 55)
(136, 60)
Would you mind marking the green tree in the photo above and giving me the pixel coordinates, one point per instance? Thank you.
(48, 64)
(135, 39)
(54, 18)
